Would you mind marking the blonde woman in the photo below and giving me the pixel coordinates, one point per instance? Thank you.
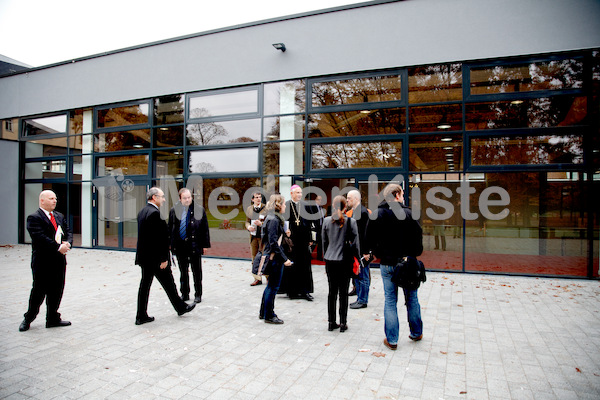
(272, 234)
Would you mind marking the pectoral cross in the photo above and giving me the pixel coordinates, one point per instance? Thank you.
(296, 216)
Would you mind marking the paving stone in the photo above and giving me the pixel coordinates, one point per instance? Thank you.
(491, 337)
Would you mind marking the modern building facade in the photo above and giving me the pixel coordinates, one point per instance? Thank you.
(454, 99)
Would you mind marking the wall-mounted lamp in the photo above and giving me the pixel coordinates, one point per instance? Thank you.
(279, 46)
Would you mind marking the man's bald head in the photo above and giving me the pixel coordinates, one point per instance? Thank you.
(48, 200)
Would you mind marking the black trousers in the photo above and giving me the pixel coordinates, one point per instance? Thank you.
(186, 261)
(338, 278)
(165, 278)
(49, 284)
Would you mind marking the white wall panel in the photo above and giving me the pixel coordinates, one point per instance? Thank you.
(387, 35)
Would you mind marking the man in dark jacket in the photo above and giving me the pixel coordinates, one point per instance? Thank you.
(152, 256)
(393, 235)
(189, 237)
(51, 239)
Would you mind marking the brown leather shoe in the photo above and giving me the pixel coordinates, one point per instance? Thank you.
(256, 283)
(390, 346)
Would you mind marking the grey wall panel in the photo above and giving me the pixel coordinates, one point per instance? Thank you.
(387, 35)
(9, 195)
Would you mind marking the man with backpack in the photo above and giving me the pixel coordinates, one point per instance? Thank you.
(392, 236)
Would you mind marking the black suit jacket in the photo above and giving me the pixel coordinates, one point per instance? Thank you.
(197, 233)
(362, 223)
(153, 237)
(43, 246)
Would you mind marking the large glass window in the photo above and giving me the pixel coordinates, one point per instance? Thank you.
(287, 127)
(543, 230)
(222, 104)
(134, 114)
(81, 144)
(45, 125)
(435, 118)
(357, 123)
(356, 155)
(128, 140)
(226, 222)
(46, 147)
(435, 83)
(536, 116)
(122, 165)
(169, 109)
(168, 136)
(168, 163)
(230, 160)
(435, 201)
(537, 150)
(428, 153)
(528, 76)
(543, 112)
(357, 90)
(51, 169)
(284, 97)
(283, 158)
(117, 209)
(223, 132)
(76, 122)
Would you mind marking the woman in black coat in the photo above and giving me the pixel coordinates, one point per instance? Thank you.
(276, 257)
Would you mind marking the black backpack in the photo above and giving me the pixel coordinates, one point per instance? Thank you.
(409, 273)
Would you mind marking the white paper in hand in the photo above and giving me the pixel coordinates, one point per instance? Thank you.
(58, 236)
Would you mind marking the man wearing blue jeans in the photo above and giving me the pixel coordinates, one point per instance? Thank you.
(392, 235)
(361, 215)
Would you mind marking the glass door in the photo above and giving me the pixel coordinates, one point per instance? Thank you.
(117, 201)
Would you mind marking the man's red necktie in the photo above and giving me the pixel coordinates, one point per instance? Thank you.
(53, 220)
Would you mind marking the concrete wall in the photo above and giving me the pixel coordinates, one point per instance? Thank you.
(9, 195)
(385, 35)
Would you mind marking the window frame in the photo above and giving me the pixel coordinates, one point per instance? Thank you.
(226, 117)
(148, 102)
(403, 102)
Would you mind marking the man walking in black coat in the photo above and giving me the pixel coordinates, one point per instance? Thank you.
(188, 227)
(152, 256)
(51, 239)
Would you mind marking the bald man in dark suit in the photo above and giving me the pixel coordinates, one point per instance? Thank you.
(51, 239)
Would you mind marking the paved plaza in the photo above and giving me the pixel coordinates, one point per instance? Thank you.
(485, 337)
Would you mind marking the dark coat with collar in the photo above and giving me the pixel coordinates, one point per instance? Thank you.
(362, 223)
(44, 249)
(153, 238)
(301, 233)
(392, 238)
(197, 233)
